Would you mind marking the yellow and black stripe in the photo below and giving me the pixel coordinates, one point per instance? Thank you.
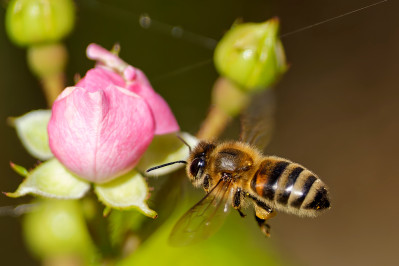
(289, 187)
(292, 177)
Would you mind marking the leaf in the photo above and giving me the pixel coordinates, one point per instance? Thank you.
(234, 244)
(126, 192)
(165, 149)
(32, 131)
(51, 179)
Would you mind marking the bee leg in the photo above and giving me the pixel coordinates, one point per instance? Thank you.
(264, 227)
(237, 201)
(262, 214)
(206, 183)
(241, 213)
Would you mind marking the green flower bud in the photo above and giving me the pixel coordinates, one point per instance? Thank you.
(39, 21)
(56, 228)
(251, 55)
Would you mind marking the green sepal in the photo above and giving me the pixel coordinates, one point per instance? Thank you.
(32, 131)
(50, 179)
(107, 210)
(19, 169)
(126, 192)
(165, 149)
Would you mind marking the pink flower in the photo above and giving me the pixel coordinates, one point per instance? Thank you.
(137, 82)
(100, 128)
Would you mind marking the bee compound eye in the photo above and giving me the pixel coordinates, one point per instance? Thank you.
(197, 165)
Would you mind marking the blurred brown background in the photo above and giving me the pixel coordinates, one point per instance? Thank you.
(337, 108)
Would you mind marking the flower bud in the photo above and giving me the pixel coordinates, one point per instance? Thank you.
(98, 129)
(136, 82)
(56, 228)
(251, 55)
(31, 22)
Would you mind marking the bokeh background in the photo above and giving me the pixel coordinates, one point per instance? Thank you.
(337, 112)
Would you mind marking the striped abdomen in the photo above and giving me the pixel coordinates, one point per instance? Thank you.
(289, 187)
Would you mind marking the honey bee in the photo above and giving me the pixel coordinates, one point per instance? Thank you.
(236, 174)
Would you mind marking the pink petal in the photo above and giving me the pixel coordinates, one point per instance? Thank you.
(98, 53)
(100, 78)
(165, 121)
(100, 135)
(129, 73)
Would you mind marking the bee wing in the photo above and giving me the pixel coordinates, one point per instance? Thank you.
(205, 218)
(257, 122)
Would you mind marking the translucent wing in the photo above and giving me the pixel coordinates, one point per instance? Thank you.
(257, 122)
(205, 218)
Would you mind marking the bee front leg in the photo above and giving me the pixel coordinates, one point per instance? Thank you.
(262, 214)
(237, 199)
(206, 183)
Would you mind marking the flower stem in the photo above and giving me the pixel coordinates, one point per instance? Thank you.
(214, 124)
(228, 101)
(48, 63)
(62, 261)
(52, 87)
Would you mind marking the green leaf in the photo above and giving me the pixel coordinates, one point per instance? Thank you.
(165, 149)
(51, 179)
(126, 192)
(234, 244)
(32, 131)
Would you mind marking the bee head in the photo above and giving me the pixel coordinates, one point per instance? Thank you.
(197, 162)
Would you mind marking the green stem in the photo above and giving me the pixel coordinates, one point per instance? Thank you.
(52, 87)
(228, 101)
(214, 124)
(48, 63)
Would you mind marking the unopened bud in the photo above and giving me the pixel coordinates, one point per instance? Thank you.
(251, 55)
(55, 228)
(31, 22)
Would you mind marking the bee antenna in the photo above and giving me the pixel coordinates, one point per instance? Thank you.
(163, 165)
(185, 143)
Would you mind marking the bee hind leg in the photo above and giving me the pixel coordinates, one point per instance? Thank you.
(264, 227)
(262, 214)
